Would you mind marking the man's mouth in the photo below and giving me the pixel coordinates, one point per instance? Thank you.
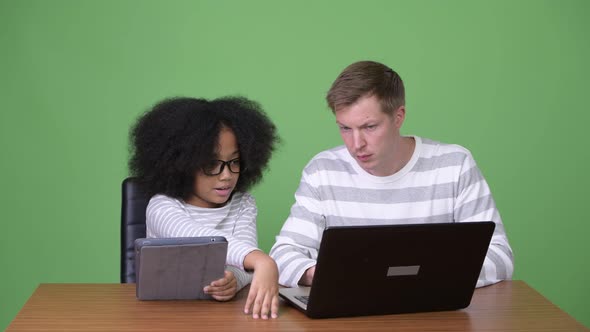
(363, 157)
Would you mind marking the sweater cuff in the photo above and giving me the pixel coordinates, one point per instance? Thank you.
(296, 276)
(242, 256)
(243, 278)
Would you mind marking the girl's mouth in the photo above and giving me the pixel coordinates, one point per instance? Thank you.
(223, 191)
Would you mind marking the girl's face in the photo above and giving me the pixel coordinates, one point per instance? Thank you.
(212, 190)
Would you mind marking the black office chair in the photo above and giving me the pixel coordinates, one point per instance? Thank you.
(133, 205)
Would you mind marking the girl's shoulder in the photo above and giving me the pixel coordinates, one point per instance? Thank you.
(243, 198)
(160, 199)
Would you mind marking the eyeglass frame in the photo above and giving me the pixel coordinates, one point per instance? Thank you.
(223, 164)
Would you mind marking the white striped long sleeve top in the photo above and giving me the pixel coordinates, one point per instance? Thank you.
(236, 221)
(440, 183)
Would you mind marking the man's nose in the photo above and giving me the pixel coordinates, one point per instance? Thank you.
(358, 139)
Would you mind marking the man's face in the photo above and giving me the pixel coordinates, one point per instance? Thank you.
(371, 136)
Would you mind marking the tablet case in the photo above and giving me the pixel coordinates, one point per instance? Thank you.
(178, 268)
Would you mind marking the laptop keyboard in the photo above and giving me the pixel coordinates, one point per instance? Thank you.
(302, 298)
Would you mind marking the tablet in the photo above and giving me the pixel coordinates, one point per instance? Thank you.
(178, 268)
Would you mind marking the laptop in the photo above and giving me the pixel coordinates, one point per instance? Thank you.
(391, 269)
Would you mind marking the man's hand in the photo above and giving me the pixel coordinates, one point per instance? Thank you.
(263, 297)
(307, 277)
(223, 289)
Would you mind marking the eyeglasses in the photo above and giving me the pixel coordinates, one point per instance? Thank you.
(215, 167)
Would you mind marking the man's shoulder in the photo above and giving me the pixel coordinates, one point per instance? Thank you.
(334, 159)
(337, 152)
(431, 148)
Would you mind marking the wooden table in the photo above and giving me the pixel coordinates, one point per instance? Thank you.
(507, 306)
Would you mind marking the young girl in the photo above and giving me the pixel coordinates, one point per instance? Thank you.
(198, 158)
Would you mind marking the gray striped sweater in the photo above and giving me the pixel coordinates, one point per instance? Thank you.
(440, 183)
(236, 221)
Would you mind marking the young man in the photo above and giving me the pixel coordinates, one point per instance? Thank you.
(382, 177)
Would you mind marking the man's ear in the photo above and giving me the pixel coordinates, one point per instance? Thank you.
(399, 115)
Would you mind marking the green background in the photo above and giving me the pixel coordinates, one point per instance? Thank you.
(506, 79)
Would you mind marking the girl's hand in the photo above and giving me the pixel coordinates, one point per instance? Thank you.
(263, 297)
(223, 289)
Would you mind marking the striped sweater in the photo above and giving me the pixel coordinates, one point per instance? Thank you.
(440, 183)
(236, 221)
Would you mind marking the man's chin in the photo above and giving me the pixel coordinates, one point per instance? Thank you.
(366, 166)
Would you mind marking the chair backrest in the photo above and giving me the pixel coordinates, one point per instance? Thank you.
(133, 205)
